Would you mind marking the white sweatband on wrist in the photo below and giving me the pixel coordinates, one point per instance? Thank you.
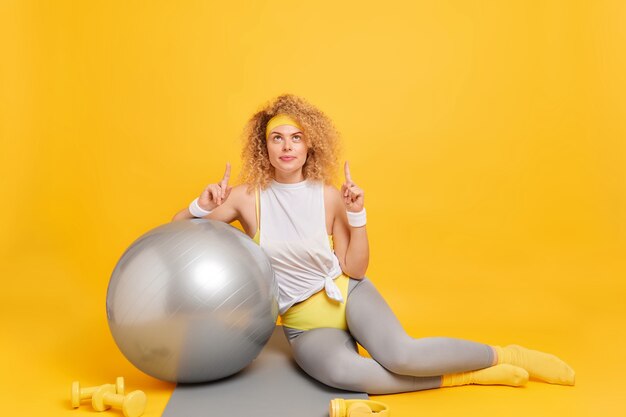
(356, 219)
(196, 210)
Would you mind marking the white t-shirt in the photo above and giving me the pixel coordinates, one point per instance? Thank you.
(293, 235)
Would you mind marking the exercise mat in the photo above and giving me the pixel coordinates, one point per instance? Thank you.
(272, 385)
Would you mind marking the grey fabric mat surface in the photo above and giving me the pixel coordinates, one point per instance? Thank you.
(272, 385)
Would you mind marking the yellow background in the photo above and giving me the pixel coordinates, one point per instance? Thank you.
(489, 137)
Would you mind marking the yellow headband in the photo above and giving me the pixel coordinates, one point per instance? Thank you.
(279, 120)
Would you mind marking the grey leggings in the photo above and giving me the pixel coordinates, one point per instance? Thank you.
(400, 363)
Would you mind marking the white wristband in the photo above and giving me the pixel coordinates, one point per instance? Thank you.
(356, 219)
(196, 210)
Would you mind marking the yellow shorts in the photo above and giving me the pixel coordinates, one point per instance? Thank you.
(319, 310)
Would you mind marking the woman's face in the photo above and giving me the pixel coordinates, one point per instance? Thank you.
(287, 152)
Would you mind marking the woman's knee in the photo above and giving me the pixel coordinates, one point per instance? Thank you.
(338, 375)
(332, 364)
(394, 360)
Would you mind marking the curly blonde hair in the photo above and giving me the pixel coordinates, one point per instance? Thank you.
(321, 136)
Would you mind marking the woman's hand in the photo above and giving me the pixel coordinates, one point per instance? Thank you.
(350, 233)
(352, 195)
(215, 195)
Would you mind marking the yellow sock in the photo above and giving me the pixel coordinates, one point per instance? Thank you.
(539, 365)
(496, 375)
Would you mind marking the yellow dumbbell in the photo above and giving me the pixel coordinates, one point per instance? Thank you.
(132, 405)
(79, 393)
(357, 408)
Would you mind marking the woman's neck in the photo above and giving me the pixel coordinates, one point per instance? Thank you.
(288, 178)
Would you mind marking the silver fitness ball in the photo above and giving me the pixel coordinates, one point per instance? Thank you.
(192, 301)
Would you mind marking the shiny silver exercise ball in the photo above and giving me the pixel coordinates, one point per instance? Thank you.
(192, 301)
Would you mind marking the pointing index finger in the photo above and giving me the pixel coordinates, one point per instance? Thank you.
(346, 170)
(226, 177)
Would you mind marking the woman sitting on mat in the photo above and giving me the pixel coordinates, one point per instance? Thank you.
(316, 239)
